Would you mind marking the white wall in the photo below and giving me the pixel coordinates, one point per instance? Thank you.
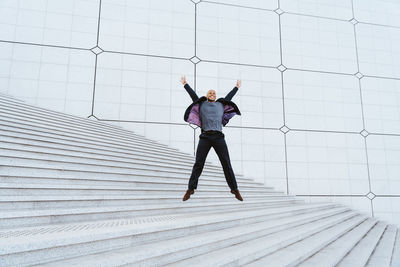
(320, 99)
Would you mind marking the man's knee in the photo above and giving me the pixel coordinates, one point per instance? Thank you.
(223, 155)
(199, 163)
(226, 165)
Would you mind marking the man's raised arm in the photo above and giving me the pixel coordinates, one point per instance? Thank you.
(234, 90)
(189, 89)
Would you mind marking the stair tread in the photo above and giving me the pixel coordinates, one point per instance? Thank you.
(396, 250)
(39, 212)
(93, 146)
(10, 97)
(360, 254)
(91, 168)
(138, 253)
(383, 252)
(99, 161)
(53, 146)
(104, 231)
(292, 255)
(75, 119)
(131, 224)
(65, 131)
(59, 197)
(112, 175)
(5, 99)
(68, 124)
(133, 180)
(109, 187)
(335, 251)
(58, 211)
(40, 156)
(76, 137)
(241, 253)
(10, 158)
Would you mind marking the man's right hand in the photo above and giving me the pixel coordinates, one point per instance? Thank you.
(183, 80)
(191, 92)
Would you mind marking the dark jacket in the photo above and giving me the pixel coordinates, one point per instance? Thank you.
(192, 113)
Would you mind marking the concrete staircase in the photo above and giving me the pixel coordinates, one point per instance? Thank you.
(77, 192)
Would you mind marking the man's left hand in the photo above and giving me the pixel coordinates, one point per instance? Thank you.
(238, 83)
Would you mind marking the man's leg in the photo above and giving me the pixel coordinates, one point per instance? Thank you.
(221, 149)
(203, 148)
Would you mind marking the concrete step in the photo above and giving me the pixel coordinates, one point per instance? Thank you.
(49, 202)
(10, 189)
(33, 152)
(132, 181)
(85, 130)
(252, 252)
(295, 253)
(200, 250)
(18, 166)
(21, 154)
(383, 253)
(132, 188)
(332, 254)
(27, 109)
(8, 139)
(169, 232)
(18, 132)
(47, 216)
(7, 104)
(93, 138)
(360, 254)
(79, 192)
(10, 100)
(396, 251)
(19, 170)
(72, 119)
(23, 111)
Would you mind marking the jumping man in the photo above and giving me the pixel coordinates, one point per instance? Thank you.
(210, 115)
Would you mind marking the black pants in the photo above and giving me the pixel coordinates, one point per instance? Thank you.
(217, 141)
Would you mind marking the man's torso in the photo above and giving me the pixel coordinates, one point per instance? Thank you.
(211, 114)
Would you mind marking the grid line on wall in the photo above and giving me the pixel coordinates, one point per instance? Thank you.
(235, 5)
(45, 45)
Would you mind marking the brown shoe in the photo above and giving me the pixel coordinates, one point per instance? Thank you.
(237, 194)
(187, 194)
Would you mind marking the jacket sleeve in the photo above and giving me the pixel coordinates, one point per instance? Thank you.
(191, 92)
(231, 93)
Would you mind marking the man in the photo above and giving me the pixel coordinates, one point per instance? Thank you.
(210, 115)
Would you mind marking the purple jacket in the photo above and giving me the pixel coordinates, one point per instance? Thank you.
(192, 113)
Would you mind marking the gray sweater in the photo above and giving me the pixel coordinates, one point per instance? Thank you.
(211, 115)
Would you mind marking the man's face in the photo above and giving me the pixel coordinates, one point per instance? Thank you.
(211, 95)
